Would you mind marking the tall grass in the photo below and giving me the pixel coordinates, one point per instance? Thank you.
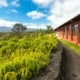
(72, 46)
(21, 59)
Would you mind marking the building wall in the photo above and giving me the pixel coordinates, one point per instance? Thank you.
(70, 32)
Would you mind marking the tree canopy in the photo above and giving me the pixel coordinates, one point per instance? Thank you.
(49, 29)
(18, 28)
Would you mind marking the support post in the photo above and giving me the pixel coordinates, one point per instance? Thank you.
(63, 32)
(72, 33)
(78, 31)
(66, 32)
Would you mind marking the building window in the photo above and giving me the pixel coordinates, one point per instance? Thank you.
(69, 30)
(64, 31)
(75, 29)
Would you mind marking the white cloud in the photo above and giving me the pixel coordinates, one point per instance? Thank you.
(35, 15)
(14, 11)
(3, 3)
(15, 3)
(35, 26)
(62, 11)
(42, 3)
(6, 23)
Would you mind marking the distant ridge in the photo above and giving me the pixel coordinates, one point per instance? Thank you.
(8, 29)
(5, 29)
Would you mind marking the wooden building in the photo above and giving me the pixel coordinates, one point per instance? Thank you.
(70, 30)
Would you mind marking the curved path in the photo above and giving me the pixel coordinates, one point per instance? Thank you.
(72, 64)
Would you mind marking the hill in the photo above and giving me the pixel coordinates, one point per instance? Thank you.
(8, 29)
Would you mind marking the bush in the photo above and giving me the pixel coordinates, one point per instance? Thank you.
(25, 56)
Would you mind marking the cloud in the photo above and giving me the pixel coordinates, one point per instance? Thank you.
(59, 11)
(62, 11)
(42, 3)
(14, 11)
(35, 26)
(3, 3)
(6, 23)
(35, 14)
(15, 3)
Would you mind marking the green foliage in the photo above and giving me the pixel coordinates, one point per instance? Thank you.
(74, 47)
(49, 29)
(20, 59)
(18, 28)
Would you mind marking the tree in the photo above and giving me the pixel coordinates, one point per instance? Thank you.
(18, 28)
(49, 29)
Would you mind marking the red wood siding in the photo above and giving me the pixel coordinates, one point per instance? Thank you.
(68, 33)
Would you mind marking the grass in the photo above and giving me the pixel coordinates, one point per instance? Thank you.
(71, 45)
(23, 58)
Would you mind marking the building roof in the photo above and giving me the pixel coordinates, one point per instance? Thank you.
(76, 18)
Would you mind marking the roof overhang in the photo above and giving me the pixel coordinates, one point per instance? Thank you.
(75, 19)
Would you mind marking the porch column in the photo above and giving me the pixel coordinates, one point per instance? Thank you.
(72, 33)
(63, 32)
(78, 31)
(60, 33)
(66, 32)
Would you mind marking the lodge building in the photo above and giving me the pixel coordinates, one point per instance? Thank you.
(70, 30)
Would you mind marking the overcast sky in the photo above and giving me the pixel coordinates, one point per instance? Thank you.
(37, 13)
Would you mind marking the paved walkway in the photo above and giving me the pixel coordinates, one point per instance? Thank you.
(72, 64)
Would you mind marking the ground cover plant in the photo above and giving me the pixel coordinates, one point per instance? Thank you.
(74, 47)
(23, 58)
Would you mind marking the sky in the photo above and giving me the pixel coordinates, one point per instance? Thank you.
(37, 13)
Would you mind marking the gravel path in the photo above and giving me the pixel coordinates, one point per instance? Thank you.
(72, 64)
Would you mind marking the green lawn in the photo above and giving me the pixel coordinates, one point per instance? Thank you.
(71, 45)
